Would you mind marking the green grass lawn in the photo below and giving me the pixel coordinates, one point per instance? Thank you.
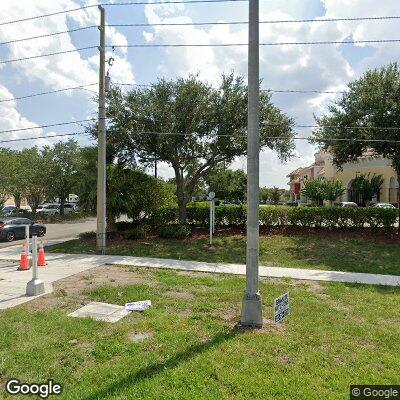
(336, 335)
(327, 253)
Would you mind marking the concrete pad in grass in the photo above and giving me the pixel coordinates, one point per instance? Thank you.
(101, 312)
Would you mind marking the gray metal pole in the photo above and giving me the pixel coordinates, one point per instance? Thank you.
(101, 157)
(252, 305)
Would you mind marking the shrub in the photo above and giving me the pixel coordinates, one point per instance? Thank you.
(135, 234)
(87, 235)
(124, 226)
(174, 231)
(280, 216)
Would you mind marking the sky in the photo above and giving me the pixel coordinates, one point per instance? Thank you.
(320, 67)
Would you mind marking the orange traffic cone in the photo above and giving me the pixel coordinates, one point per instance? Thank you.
(41, 256)
(24, 263)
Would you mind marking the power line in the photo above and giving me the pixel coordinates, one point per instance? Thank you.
(261, 22)
(149, 85)
(116, 4)
(263, 90)
(217, 136)
(306, 91)
(202, 45)
(45, 93)
(246, 44)
(43, 137)
(48, 54)
(295, 21)
(47, 35)
(49, 126)
(143, 25)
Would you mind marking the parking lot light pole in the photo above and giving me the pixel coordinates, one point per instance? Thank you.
(252, 305)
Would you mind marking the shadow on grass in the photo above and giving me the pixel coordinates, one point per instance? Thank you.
(164, 366)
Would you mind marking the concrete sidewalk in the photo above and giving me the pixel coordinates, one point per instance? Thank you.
(13, 282)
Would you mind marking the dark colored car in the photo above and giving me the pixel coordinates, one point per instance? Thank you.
(13, 229)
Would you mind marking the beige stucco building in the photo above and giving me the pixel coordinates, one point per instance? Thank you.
(323, 167)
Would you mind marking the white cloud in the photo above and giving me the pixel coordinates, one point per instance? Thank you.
(11, 119)
(54, 72)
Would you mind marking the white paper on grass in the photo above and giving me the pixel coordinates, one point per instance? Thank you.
(138, 305)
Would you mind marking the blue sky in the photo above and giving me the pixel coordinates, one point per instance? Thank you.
(296, 67)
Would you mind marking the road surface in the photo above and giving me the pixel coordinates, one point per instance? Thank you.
(65, 230)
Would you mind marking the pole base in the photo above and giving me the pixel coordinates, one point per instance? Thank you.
(251, 311)
(35, 287)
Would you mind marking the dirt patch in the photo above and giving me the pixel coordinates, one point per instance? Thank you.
(137, 337)
(269, 326)
(68, 292)
(179, 295)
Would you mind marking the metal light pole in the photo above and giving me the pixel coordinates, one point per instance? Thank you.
(101, 152)
(252, 306)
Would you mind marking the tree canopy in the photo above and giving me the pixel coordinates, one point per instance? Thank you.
(369, 115)
(192, 126)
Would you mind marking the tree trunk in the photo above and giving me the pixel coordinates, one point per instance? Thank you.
(180, 193)
(62, 202)
(17, 199)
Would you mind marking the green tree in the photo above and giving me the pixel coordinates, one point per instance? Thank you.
(314, 190)
(367, 186)
(275, 195)
(228, 184)
(134, 193)
(332, 190)
(62, 159)
(86, 179)
(33, 179)
(366, 114)
(202, 127)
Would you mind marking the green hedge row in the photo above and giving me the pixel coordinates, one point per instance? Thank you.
(280, 216)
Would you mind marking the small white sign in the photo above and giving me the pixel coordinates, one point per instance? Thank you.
(138, 305)
(211, 195)
(281, 308)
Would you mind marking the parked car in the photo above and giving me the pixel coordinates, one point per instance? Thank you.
(7, 210)
(384, 205)
(13, 210)
(346, 204)
(13, 229)
(69, 208)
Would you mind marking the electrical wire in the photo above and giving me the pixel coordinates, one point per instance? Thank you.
(310, 139)
(48, 54)
(48, 35)
(246, 44)
(43, 137)
(201, 45)
(45, 93)
(149, 85)
(117, 4)
(49, 125)
(143, 25)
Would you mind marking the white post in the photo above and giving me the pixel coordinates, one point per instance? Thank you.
(213, 203)
(252, 306)
(34, 287)
(211, 221)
